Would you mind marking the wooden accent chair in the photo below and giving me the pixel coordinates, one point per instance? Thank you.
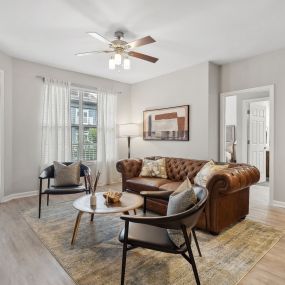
(48, 173)
(151, 232)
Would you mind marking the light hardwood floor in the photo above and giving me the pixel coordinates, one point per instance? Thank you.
(24, 259)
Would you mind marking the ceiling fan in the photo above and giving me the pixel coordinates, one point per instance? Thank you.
(121, 50)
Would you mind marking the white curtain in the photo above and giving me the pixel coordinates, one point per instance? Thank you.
(56, 124)
(106, 137)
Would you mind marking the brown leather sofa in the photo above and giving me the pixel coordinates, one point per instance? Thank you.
(228, 200)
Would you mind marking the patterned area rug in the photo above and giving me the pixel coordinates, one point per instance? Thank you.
(95, 257)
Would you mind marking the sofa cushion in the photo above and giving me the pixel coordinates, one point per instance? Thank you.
(139, 184)
(207, 171)
(170, 186)
(154, 168)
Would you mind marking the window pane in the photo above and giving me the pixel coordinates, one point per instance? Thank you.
(89, 108)
(83, 109)
(89, 152)
(89, 140)
(74, 107)
(75, 143)
(74, 115)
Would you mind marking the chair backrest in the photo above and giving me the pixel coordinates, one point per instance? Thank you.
(188, 218)
(49, 171)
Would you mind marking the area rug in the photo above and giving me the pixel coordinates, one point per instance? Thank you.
(95, 257)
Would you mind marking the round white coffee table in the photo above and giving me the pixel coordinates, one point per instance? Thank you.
(127, 203)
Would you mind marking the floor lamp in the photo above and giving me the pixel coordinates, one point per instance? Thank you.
(128, 131)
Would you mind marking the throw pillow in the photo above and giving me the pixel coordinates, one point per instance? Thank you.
(182, 199)
(207, 171)
(154, 168)
(66, 175)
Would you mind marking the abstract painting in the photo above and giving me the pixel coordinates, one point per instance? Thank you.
(169, 124)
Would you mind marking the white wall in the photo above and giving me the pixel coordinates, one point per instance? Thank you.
(187, 86)
(213, 111)
(25, 118)
(6, 65)
(231, 110)
(263, 70)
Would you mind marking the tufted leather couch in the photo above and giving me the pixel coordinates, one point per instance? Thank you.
(228, 200)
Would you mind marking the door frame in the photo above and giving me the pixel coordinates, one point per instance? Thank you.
(2, 137)
(270, 90)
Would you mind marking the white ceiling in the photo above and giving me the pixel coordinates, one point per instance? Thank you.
(187, 32)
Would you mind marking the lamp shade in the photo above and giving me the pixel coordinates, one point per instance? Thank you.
(128, 130)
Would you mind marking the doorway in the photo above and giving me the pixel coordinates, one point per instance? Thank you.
(247, 133)
(1, 135)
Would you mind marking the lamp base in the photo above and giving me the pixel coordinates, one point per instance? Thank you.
(129, 147)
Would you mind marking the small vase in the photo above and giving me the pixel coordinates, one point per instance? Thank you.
(93, 200)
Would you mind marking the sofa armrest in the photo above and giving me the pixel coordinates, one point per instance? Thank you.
(233, 179)
(129, 168)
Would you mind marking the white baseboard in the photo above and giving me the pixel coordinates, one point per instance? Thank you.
(19, 195)
(279, 204)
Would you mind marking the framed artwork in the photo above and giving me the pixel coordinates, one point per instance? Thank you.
(168, 124)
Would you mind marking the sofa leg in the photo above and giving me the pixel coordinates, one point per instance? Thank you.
(213, 233)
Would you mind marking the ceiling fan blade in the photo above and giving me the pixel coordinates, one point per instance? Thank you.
(143, 56)
(92, 52)
(99, 37)
(141, 42)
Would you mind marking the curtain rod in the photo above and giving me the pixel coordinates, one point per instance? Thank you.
(79, 85)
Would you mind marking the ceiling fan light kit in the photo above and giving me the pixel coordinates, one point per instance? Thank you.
(112, 64)
(118, 58)
(127, 63)
(122, 50)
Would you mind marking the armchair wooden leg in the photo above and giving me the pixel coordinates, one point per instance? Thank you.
(40, 204)
(196, 242)
(125, 248)
(47, 199)
(191, 257)
(144, 205)
(40, 197)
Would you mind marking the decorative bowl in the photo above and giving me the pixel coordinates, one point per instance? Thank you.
(112, 197)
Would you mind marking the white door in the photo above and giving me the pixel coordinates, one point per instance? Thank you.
(257, 138)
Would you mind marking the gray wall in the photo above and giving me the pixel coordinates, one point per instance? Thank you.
(188, 86)
(23, 118)
(263, 70)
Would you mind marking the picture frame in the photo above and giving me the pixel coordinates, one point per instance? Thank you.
(167, 124)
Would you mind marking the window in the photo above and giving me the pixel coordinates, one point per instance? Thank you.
(83, 111)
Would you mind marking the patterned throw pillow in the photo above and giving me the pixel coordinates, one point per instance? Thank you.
(66, 175)
(182, 199)
(207, 171)
(154, 168)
